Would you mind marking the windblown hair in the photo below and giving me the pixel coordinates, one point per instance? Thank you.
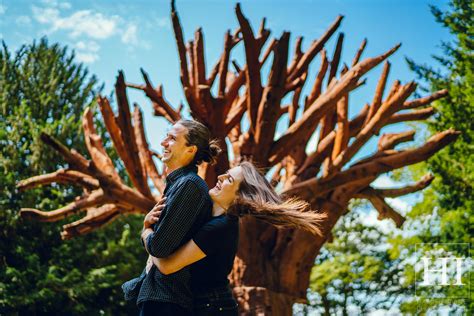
(198, 135)
(257, 198)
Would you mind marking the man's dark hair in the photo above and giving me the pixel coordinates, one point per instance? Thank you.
(200, 136)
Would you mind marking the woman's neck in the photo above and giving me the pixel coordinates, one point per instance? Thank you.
(218, 209)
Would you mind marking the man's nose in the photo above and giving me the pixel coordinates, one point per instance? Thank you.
(164, 143)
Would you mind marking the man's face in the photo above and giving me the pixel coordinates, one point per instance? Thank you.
(175, 152)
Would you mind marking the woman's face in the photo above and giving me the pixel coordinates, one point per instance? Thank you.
(225, 191)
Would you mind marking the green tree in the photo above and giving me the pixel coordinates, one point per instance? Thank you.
(42, 88)
(454, 165)
(445, 214)
(354, 273)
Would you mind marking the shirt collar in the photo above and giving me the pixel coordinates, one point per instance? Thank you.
(178, 173)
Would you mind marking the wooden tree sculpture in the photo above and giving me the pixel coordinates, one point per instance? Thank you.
(271, 271)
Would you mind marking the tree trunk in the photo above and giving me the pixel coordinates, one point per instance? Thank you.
(283, 266)
(326, 305)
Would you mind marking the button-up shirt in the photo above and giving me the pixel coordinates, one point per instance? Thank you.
(188, 207)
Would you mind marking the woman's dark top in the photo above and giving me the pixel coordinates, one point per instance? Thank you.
(218, 239)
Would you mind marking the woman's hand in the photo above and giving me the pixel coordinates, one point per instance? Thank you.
(153, 216)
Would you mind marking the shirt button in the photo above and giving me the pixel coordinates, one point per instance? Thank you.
(208, 305)
(220, 308)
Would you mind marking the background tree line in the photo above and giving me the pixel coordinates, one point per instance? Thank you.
(43, 88)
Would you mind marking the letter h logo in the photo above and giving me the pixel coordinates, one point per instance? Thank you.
(444, 271)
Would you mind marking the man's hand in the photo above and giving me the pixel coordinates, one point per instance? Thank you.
(153, 216)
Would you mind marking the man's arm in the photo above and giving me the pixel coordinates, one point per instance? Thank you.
(182, 209)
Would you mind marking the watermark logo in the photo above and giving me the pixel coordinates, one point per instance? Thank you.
(442, 270)
(427, 276)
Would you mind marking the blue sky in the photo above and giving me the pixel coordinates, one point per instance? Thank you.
(112, 35)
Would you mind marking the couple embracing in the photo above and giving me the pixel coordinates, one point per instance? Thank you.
(191, 235)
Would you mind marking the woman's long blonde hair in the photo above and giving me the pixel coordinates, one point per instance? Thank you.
(257, 198)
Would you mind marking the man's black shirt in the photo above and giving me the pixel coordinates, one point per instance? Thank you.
(188, 207)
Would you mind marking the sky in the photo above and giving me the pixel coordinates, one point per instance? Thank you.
(109, 36)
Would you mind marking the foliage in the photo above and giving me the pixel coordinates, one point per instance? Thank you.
(354, 273)
(44, 89)
(446, 213)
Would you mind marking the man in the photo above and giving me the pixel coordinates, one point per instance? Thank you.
(188, 207)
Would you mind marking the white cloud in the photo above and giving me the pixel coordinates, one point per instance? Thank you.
(3, 9)
(88, 24)
(86, 28)
(23, 20)
(91, 46)
(83, 22)
(56, 4)
(45, 15)
(87, 58)
(129, 36)
(87, 52)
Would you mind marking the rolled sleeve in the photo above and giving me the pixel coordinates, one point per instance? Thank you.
(181, 212)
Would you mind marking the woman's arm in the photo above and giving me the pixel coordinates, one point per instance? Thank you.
(184, 256)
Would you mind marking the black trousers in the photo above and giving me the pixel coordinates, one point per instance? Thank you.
(152, 308)
(215, 302)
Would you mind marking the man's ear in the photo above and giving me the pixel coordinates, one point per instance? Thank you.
(192, 149)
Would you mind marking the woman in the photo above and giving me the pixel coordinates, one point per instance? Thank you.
(241, 191)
